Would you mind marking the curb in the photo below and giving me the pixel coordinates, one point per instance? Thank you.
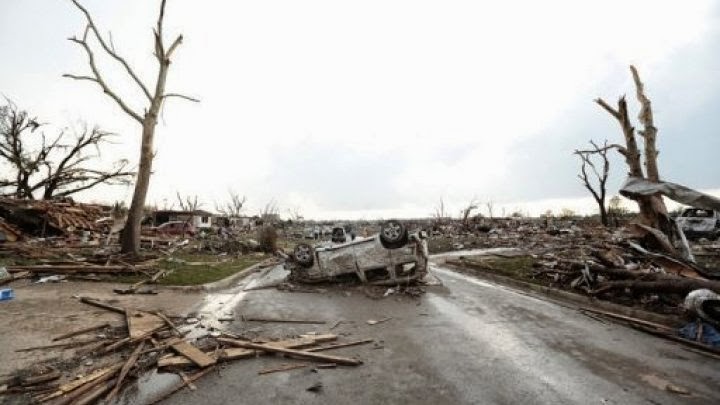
(220, 284)
(568, 297)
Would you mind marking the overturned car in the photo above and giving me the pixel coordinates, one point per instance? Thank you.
(700, 223)
(393, 255)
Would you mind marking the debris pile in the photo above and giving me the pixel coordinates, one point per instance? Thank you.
(612, 265)
(148, 340)
(43, 218)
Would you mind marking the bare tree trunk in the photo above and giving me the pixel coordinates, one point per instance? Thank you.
(130, 242)
(603, 214)
(652, 209)
(600, 175)
(130, 237)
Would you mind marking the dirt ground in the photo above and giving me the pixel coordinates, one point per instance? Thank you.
(40, 312)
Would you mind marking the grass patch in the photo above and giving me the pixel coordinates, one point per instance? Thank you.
(191, 269)
(519, 267)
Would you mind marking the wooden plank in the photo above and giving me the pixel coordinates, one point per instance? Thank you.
(101, 373)
(235, 353)
(81, 331)
(194, 354)
(96, 303)
(75, 268)
(339, 345)
(187, 381)
(124, 370)
(141, 323)
(39, 379)
(303, 354)
(223, 355)
(61, 345)
(168, 321)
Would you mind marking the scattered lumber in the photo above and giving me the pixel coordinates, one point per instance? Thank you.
(235, 353)
(303, 354)
(100, 374)
(124, 370)
(73, 269)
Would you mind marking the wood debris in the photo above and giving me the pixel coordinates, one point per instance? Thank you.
(169, 351)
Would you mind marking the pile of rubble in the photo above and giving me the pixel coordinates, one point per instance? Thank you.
(597, 261)
(144, 341)
(42, 218)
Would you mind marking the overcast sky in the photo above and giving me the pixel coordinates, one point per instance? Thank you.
(379, 108)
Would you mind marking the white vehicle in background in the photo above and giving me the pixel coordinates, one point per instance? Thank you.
(393, 255)
(700, 223)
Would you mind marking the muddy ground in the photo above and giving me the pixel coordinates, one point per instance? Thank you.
(40, 312)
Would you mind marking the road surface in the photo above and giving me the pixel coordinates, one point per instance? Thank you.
(466, 342)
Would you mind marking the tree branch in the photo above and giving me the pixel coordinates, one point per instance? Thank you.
(111, 50)
(168, 95)
(98, 78)
(615, 113)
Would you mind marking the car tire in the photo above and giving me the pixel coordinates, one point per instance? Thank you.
(303, 255)
(393, 234)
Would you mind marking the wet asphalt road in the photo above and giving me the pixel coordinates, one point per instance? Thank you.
(466, 342)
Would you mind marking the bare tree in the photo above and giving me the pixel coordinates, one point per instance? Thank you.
(490, 204)
(467, 211)
(270, 212)
(600, 176)
(440, 213)
(653, 211)
(57, 167)
(130, 238)
(188, 203)
(232, 208)
(296, 214)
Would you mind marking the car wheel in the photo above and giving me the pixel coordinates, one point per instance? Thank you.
(303, 254)
(393, 234)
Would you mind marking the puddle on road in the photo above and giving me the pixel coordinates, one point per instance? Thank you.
(149, 388)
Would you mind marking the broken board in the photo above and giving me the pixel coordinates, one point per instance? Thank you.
(141, 323)
(235, 353)
(194, 354)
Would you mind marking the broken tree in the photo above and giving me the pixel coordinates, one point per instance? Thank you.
(653, 211)
(48, 168)
(601, 176)
(130, 238)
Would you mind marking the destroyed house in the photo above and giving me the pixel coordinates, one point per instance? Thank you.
(50, 218)
(242, 222)
(200, 219)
